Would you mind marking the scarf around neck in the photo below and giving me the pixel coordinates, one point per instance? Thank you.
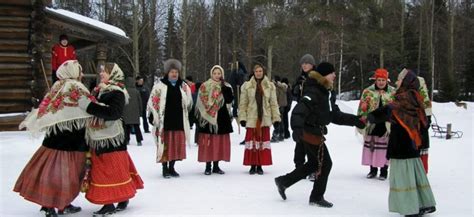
(209, 101)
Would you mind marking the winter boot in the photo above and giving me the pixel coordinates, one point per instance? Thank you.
(69, 209)
(252, 170)
(216, 169)
(373, 172)
(383, 173)
(166, 171)
(414, 215)
(208, 169)
(427, 210)
(139, 143)
(312, 177)
(173, 172)
(106, 210)
(321, 202)
(281, 188)
(275, 137)
(281, 138)
(259, 170)
(242, 143)
(49, 212)
(121, 206)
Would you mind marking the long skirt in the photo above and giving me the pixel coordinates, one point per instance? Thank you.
(52, 178)
(174, 146)
(113, 178)
(410, 190)
(213, 147)
(257, 147)
(374, 151)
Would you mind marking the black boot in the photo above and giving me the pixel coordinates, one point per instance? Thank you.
(414, 215)
(383, 172)
(252, 170)
(373, 172)
(166, 171)
(259, 170)
(427, 210)
(107, 209)
(208, 169)
(69, 209)
(321, 202)
(49, 212)
(216, 169)
(121, 206)
(173, 172)
(281, 188)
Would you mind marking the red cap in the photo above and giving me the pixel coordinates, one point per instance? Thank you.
(380, 73)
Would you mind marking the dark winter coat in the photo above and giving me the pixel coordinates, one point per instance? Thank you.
(174, 107)
(224, 121)
(399, 142)
(66, 140)
(133, 110)
(317, 108)
(144, 95)
(114, 103)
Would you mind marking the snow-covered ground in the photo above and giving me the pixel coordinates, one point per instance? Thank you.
(239, 194)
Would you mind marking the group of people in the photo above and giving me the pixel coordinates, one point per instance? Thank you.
(85, 147)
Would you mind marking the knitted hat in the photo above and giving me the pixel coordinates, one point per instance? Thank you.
(380, 73)
(172, 64)
(307, 58)
(325, 68)
(63, 37)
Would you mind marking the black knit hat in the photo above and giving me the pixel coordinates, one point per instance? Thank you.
(325, 68)
(63, 37)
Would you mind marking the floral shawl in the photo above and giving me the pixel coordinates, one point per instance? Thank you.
(59, 109)
(369, 101)
(101, 133)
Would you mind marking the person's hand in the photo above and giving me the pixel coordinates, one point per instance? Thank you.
(243, 123)
(83, 102)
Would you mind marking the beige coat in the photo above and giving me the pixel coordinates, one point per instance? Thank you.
(248, 104)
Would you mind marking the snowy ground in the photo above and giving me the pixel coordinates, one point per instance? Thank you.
(238, 194)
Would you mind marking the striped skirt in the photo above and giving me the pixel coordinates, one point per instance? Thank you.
(213, 147)
(174, 146)
(52, 178)
(375, 151)
(113, 178)
(257, 147)
(410, 190)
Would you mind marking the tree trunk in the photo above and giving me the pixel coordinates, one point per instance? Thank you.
(184, 28)
(402, 33)
(135, 38)
(451, 70)
(270, 59)
(340, 58)
(432, 51)
(420, 37)
(381, 53)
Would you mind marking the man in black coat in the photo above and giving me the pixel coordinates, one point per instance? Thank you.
(316, 109)
(144, 95)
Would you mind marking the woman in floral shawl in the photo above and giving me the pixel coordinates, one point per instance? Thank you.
(410, 192)
(113, 177)
(169, 105)
(52, 176)
(258, 110)
(213, 106)
(376, 135)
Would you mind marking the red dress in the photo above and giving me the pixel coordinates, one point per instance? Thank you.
(257, 147)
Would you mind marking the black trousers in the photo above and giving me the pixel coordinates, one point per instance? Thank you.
(138, 132)
(286, 125)
(319, 186)
(145, 121)
(300, 154)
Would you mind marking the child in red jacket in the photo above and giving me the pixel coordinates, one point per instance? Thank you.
(61, 52)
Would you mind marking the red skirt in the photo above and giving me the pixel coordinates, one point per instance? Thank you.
(175, 146)
(52, 178)
(113, 178)
(213, 147)
(257, 147)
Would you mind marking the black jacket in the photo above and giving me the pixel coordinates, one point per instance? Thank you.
(173, 119)
(112, 110)
(317, 108)
(298, 86)
(66, 140)
(399, 143)
(144, 94)
(224, 123)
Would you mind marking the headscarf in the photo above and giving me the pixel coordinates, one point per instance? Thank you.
(209, 101)
(407, 108)
(102, 133)
(59, 108)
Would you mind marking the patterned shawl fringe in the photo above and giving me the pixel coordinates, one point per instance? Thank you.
(70, 125)
(213, 128)
(115, 141)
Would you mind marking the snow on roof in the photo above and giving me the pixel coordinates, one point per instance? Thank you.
(88, 21)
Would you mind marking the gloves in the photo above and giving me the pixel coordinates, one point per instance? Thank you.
(243, 123)
(84, 102)
(359, 123)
